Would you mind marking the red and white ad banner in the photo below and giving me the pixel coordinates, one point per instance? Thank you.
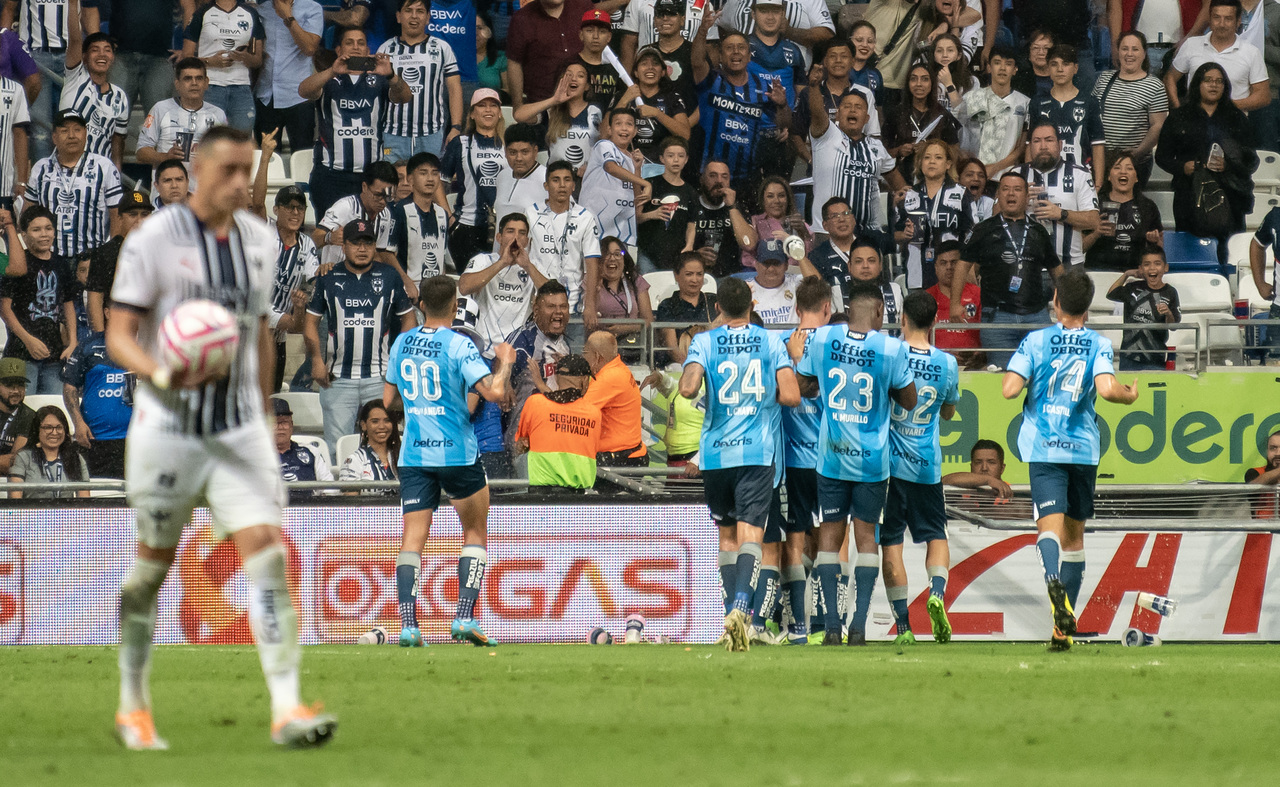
(557, 572)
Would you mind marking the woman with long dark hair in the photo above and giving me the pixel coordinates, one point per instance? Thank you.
(624, 294)
(1128, 221)
(1205, 141)
(573, 124)
(378, 457)
(949, 64)
(907, 120)
(491, 61)
(49, 457)
(778, 218)
(663, 113)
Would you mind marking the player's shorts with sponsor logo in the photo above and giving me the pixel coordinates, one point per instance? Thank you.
(739, 494)
(918, 507)
(839, 499)
(420, 487)
(1062, 489)
(168, 474)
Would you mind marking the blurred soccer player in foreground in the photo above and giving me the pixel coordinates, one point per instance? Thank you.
(1063, 369)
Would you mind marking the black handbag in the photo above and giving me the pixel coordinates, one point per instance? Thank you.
(1210, 212)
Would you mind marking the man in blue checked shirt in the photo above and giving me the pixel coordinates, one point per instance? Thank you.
(749, 376)
(1063, 369)
(432, 369)
(858, 371)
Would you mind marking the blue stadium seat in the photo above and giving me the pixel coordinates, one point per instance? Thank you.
(1189, 253)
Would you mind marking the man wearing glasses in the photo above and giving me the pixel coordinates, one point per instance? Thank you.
(296, 265)
(377, 193)
(830, 259)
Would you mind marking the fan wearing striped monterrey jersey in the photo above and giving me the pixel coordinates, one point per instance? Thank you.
(196, 439)
(428, 66)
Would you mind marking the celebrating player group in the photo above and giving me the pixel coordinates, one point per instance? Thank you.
(852, 415)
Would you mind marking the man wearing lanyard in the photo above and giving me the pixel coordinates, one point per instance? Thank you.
(1011, 251)
(564, 243)
(1066, 204)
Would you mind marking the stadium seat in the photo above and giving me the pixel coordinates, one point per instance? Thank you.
(307, 415)
(1187, 252)
(663, 283)
(1161, 180)
(1163, 201)
(1099, 323)
(277, 175)
(1248, 291)
(1202, 293)
(347, 445)
(1267, 176)
(44, 400)
(1262, 205)
(1238, 251)
(1102, 281)
(314, 442)
(310, 219)
(300, 163)
(747, 275)
(508, 116)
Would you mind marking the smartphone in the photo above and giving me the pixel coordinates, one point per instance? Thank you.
(362, 63)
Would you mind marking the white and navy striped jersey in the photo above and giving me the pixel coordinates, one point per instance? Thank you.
(852, 170)
(504, 302)
(14, 112)
(295, 265)
(360, 309)
(351, 111)
(560, 244)
(105, 114)
(801, 15)
(472, 162)
(42, 24)
(1068, 186)
(172, 257)
(346, 210)
(424, 67)
(420, 240)
(80, 197)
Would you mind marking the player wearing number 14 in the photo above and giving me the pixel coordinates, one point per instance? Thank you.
(1063, 368)
(440, 375)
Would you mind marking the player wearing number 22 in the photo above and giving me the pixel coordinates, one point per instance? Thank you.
(1063, 369)
(749, 378)
(440, 376)
(858, 371)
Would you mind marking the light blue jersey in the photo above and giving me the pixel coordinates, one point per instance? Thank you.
(1059, 423)
(913, 434)
(800, 427)
(743, 422)
(855, 371)
(434, 368)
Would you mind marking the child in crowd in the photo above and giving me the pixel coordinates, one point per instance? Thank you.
(610, 186)
(1146, 300)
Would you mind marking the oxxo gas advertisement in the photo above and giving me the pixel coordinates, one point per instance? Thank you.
(556, 573)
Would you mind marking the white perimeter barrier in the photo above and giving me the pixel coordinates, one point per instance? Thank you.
(557, 572)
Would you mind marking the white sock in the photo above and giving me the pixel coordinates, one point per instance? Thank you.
(137, 627)
(275, 627)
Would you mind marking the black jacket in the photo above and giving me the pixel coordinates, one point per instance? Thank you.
(1187, 135)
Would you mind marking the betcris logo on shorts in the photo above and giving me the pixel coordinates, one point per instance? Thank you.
(544, 588)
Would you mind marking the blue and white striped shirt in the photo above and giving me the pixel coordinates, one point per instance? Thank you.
(42, 24)
(351, 110)
(105, 114)
(424, 67)
(80, 198)
(360, 309)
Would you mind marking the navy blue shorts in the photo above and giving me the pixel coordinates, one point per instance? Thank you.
(919, 507)
(802, 499)
(739, 494)
(420, 487)
(775, 532)
(1063, 489)
(839, 499)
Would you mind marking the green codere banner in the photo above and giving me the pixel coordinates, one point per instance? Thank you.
(1182, 428)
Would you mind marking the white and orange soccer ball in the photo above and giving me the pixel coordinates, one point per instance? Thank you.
(201, 336)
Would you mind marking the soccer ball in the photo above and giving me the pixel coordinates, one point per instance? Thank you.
(201, 336)
(794, 247)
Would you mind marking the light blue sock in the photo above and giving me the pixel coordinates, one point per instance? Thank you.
(866, 568)
(1073, 575)
(938, 581)
(898, 600)
(728, 578)
(827, 570)
(748, 571)
(470, 580)
(766, 597)
(1050, 548)
(793, 580)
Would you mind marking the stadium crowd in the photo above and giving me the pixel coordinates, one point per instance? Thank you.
(588, 172)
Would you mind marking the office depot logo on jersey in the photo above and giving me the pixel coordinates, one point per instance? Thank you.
(543, 588)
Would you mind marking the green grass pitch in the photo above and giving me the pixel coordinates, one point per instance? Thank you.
(664, 715)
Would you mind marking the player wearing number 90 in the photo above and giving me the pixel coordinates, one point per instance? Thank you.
(857, 371)
(434, 371)
(1063, 368)
(749, 377)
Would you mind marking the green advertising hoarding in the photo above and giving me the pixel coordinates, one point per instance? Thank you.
(1210, 427)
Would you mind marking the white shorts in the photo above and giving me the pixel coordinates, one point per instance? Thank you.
(167, 475)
